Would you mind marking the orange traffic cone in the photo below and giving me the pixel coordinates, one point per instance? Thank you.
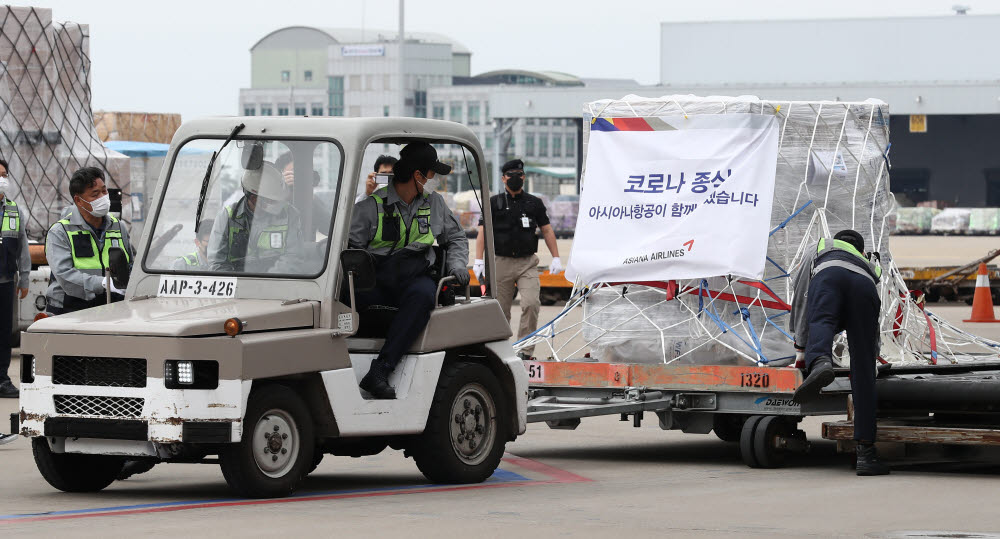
(982, 301)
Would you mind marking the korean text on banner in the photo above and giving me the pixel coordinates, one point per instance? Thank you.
(675, 198)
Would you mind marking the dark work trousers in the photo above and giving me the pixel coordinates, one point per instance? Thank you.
(415, 300)
(6, 327)
(840, 299)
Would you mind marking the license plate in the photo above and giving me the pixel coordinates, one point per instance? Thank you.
(196, 287)
(536, 372)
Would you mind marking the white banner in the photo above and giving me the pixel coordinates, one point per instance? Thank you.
(674, 198)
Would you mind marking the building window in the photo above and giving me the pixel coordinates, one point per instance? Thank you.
(570, 146)
(249, 110)
(265, 110)
(307, 75)
(420, 104)
(486, 108)
(530, 121)
(286, 76)
(335, 93)
(455, 114)
(556, 146)
(437, 110)
(385, 110)
(300, 109)
(473, 113)
(317, 110)
(282, 110)
(489, 142)
(558, 123)
(543, 145)
(529, 145)
(543, 121)
(355, 83)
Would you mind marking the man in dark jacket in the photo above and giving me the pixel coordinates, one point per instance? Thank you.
(836, 290)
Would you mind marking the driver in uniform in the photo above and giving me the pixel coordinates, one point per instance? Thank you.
(261, 232)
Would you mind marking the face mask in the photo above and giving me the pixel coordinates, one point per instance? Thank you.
(431, 185)
(268, 207)
(515, 183)
(4, 185)
(100, 206)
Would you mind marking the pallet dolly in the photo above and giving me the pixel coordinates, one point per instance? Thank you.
(746, 404)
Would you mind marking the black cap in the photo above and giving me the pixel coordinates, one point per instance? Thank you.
(513, 164)
(423, 156)
(852, 237)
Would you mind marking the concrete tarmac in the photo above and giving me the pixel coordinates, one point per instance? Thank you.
(604, 479)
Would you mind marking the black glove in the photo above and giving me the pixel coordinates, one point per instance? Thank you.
(462, 275)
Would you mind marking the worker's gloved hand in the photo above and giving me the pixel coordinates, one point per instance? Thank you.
(114, 289)
(800, 359)
(556, 266)
(462, 275)
(479, 268)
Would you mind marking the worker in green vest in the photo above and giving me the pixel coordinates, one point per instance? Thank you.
(197, 260)
(15, 265)
(398, 224)
(259, 233)
(78, 247)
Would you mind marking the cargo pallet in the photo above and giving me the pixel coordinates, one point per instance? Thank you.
(748, 404)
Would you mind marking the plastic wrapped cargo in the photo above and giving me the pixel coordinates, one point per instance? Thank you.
(984, 221)
(914, 220)
(951, 221)
(563, 216)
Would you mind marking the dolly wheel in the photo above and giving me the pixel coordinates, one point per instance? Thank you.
(747, 441)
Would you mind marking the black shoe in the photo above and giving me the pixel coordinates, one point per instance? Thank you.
(8, 391)
(375, 382)
(868, 462)
(820, 376)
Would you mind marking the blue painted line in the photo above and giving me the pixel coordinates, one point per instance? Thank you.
(499, 476)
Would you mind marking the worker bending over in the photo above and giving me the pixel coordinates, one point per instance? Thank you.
(835, 290)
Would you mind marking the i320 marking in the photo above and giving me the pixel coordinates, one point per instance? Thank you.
(755, 379)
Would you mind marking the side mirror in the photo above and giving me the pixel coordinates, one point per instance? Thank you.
(118, 265)
(253, 156)
(359, 265)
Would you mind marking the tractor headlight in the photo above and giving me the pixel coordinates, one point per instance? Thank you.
(185, 374)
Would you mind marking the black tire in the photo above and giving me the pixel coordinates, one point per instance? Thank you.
(75, 473)
(747, 441)
(438, 454)
(767, 454)
(728, 427)
(317, 458)
(272, 409)
(135, 467)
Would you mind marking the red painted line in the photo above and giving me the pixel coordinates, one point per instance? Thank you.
(556, 475)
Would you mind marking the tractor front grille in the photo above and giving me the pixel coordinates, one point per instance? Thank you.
(98, 406)
(99, 371)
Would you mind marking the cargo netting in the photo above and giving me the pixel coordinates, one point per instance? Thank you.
(46, 124)
(832, 174)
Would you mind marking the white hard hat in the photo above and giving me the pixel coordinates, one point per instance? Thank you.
(265, 182)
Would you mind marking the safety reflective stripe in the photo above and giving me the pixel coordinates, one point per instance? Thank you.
(844, 246)
(415, 236)
(191, 259)
(112, 238)
(263, 239)
(11, 219)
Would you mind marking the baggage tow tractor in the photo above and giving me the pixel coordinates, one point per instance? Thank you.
(255, 365)
(947, 404)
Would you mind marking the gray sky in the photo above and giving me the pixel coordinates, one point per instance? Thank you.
(192, 57)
